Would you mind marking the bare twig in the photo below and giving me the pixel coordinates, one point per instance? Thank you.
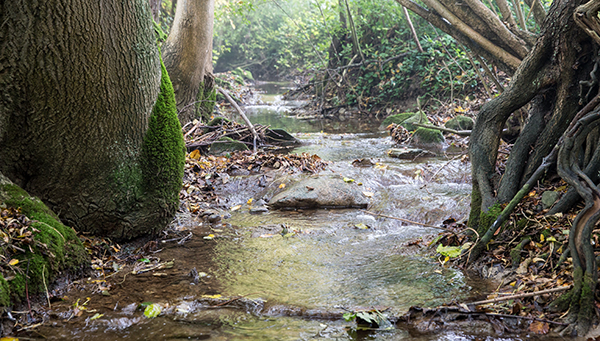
(512, 297)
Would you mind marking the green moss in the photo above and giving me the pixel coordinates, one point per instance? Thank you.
(60, 248)
(486, 219)
(586, 301)
(397, 118)
(4, 292)
(475, 213)
(460, 122)
(426, 136)
(163, 153)
(419, 117)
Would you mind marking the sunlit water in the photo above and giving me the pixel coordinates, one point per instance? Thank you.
(325, 265)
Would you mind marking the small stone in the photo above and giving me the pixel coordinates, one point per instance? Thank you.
(549, 198)
(214, 218)
(259, 209)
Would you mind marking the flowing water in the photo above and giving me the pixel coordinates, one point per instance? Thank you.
(296, 285)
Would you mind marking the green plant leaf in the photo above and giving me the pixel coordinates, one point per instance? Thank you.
(152, 310)
(449, 251)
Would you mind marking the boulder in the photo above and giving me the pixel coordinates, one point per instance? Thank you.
(460, 122)
(397, 118)
(320, 192)
(428, 137)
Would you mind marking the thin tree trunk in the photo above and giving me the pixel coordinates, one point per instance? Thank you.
(188, 52)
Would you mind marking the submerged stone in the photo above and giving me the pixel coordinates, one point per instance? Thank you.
(320, 192)
(409, 153)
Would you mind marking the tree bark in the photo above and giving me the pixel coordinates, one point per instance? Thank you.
(78, 87)
(187, 53)
(155, 7)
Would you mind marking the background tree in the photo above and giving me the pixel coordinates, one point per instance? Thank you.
(87, 117)
(187, 54)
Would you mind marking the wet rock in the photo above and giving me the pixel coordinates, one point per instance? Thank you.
(320, 192)
(214, 218)
(397, 118)
(259, 209)
(428, 137)
(362, 163)
(227, 145)
(549, 198)
(409, 153)
(460, 122)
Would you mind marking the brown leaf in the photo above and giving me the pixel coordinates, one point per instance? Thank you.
(539, 327)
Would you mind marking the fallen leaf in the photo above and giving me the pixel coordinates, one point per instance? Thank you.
(152, 310)
(236, 207)
(348, 180)
(13, 262)
(249, 202)
(209, 237)
(539, 327)
(361, 226)
(368, 194)
(282, 186)
(95, 317)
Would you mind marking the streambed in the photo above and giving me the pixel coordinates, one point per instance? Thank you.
(290, 275)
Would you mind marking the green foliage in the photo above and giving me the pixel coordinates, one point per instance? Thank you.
(163, 154)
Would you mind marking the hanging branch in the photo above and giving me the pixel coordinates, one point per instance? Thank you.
(353, 30)
(239, 110)
(412, 29)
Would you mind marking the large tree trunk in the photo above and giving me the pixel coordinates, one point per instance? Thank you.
(188, 54)
(562, 118)
(78, 84)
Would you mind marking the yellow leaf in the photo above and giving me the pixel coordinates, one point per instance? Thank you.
(541, 238)
(13, 262)
(249, 202)
(282, 186)
(212, 296)
(532, 193)
(195, 154)
(9, 338)
(210, 236)
(96, 316)
(348, 180)
(361, 226)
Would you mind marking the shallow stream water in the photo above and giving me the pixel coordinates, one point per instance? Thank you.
(295, 286)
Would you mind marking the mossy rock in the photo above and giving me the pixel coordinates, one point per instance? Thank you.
(425, 136)
(460, 122)
(415, 118)
(397, 118)
(227, 145)
(64, 251)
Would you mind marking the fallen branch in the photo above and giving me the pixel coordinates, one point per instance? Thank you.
(407, 221)
(444, 129)
(239, 110)
(529, 294)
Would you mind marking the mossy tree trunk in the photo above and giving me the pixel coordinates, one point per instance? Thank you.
(188, 57)
(80, 82)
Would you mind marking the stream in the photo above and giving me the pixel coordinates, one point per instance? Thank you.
(295, 287)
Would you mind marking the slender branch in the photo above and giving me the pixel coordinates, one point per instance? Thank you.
(412, 29)
(529, 294)
(239, 110)
(444, 129)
